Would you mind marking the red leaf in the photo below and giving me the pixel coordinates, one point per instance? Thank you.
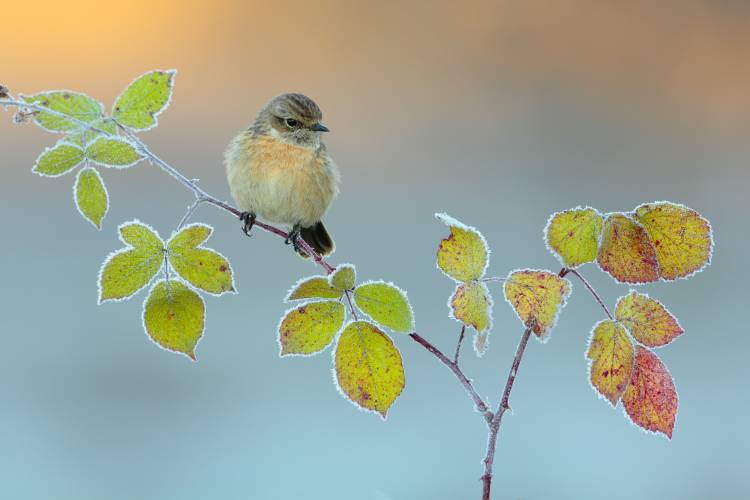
(651, 399)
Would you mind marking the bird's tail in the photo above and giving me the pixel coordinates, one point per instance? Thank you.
(317, 237)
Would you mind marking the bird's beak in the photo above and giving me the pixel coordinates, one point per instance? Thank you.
(319, 127)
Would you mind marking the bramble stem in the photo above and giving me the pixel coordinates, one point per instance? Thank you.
(458, 344)
(590, 289)
(497, 420)
(481, 406)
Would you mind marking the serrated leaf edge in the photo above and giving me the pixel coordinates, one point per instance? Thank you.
(590, 361)
(451, 221)
(172, 74)
(289, 300)
(111, 255)
(383, 416)
(334, 339)
(635, 340)
(232, 290)
(63, 132)
(711, 244)
(119, 139)
(48, 149)
(370, 318)
(143, 317)
(553, 251)
(564, 302)
(75, 196)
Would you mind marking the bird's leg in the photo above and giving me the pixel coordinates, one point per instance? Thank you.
(291, 239)
(248, 219)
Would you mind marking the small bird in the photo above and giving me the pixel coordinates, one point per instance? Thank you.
(279, 170)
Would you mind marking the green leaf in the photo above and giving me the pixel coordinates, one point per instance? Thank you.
(174, 317)
(368, 367)
(105, 125)
(129, 270)
(138, 234)
(72, 104)
(144, 99)
(464, 254)
(309, 328)
(471, 304)
(344, 277)
(203, 268)
(386, 304)
(314, 287)
(58, 160)
(91, 196)
(112, 152)
(573, 235)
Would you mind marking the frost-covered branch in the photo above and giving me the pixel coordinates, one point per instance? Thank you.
(199, 193)
(481, 406)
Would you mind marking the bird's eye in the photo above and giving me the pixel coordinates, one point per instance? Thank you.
(291, 122)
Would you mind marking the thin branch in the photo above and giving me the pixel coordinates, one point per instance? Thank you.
(593, 292)
(481, 406)
(191, 209)
(458, 344)
(497, 420)
(166, 167)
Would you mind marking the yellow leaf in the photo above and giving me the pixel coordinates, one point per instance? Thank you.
(651, 399)
(91, 196)
(174, 316)
(315, 287)
(537, 297)
(386, 304)
(309, 328)
(129, 270)
(203, 268)
(344, 277)
(471, 304)
(574, 235)
(611, 355)
(368, 367)
(647, 319)
(682, 238)
(463, 255)
(626, 252)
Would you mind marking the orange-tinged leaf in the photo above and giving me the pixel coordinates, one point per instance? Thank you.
(574, 235)
(682, 238)
(647, 319)
(537, 297)
(626, 252)
(611, 355)
(464, 254)
(651, 399)
(368, 367)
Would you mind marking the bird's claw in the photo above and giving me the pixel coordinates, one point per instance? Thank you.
(293, 236)
(248, 219)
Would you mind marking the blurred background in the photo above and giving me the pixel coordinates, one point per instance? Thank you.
(496, 112)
